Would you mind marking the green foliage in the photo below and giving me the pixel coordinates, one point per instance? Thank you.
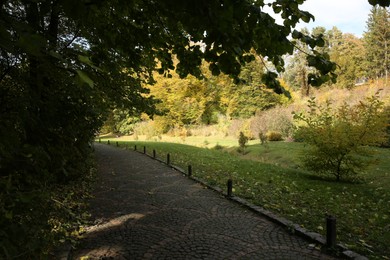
(120, 122)
(242, 141)
(192, 101)
(348, 52)
(51, 213)
(309, 65)
(384, 3)
(339, 138)
(186, 101)
(274, 136)
(345, 50)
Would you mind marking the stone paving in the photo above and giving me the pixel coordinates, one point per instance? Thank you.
(145, 210)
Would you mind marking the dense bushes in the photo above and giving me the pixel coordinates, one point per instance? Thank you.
(34, 220)
(44, 152)
(278, 119)
(274, 136)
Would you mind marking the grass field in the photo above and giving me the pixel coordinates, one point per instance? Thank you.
(272, 178)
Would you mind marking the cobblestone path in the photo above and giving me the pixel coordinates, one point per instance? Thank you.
(145, 210)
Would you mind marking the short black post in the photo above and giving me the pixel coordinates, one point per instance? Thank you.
(108, 142)
(189, 170)
(230, 188)
(144, 149)
(117, 144)
(100, 140)
(135, 147)
(168, 159)
(154, 153)
(330, 231)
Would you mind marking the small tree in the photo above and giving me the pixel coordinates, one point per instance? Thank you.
(242, 141)
(263, 138)
(339, 138)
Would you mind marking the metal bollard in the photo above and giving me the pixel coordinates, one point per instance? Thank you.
(330, 231)
(144, 149)
(135, 147)
(117, 144)
(108, 142)
(168, 159)
(189, 170)
(154, 153)
(229, 188)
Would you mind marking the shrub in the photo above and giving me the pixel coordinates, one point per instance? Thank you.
(218, 147)
(242, 141)
(274, 136)
(146, 128)
(277, 119)
(263, 138)
(339, 138)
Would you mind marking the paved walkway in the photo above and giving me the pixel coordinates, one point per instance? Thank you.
(145, 210)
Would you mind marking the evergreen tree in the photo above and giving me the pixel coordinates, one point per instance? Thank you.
(377, 40)
(349, 56)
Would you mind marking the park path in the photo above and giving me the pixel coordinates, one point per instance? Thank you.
(143, 209)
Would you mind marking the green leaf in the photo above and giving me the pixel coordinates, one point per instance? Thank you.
(85, 59)
(55, 55)
(306, 16)
(277, 9)
(85, 78)
(320, 42)
(296, 35)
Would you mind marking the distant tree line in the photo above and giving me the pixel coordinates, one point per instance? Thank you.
(358, 59)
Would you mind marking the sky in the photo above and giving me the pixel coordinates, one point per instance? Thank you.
(349, 16)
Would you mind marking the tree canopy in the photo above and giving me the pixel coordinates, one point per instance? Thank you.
(64, 62)
(346, 50)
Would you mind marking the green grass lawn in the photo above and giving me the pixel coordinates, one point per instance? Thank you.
(272, 178)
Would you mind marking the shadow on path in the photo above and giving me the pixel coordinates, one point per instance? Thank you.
(145, 210)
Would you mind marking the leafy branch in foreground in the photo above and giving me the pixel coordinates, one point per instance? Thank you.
(339, 138)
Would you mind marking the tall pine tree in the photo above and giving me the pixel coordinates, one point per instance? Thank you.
(377, 39)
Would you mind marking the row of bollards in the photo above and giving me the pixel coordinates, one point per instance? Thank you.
(330, 220)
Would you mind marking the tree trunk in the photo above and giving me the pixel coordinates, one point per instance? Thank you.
(53, 26)
(305, 87)
(34, 81)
